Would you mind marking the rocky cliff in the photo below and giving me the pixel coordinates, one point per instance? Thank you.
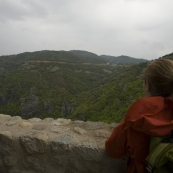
(55, 146)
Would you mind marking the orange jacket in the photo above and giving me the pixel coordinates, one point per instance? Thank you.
(152, 116)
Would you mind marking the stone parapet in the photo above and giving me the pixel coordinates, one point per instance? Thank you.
(55, 146)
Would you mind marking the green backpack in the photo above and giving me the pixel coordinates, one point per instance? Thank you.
(160, 158)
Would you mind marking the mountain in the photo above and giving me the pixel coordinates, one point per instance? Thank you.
(72, 84)
(73, 56)
(110, 101)
(40, 83)
(66, 56)
(168, 56)
(122, 59)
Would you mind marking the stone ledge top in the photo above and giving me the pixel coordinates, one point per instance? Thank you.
(16, 127)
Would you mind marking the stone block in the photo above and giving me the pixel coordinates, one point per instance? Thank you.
(15, 118)
(39, 127)
(48, 120)
(33, 120)
(25, 124)
(35, 142)
(88, 150)
(79, 130)
(4, 117)
(95, 125)
(78, 123)
(102, 133)
(75, 166)
(61, 122)
(11, 123)
(34, 163)
(6, 143)
(10, 160)
(59, 129)
(61, 143)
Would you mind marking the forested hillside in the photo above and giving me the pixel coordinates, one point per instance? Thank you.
(71, 84)
(109, 101)
(122, 59)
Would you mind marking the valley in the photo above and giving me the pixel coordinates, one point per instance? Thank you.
(69, 84)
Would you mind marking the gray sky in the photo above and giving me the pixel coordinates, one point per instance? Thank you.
(136, 28)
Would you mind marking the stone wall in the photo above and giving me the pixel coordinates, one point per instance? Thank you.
(55, 146)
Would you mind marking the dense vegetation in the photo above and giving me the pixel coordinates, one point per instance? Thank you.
(71, 84)
(109, 101)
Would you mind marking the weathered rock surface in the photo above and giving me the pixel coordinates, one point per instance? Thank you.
(62, 143)
(67, 108)
(48, 106)
(29, 107)
(6, 143)
(55, 146)
(3, 99)
(34, 142)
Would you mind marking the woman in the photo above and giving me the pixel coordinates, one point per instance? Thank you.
(149, 116)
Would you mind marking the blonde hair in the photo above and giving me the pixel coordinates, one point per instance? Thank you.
(159, 75)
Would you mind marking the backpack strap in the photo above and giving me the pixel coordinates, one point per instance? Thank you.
(158, 147)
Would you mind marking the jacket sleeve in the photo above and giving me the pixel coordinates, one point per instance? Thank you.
(115, 145)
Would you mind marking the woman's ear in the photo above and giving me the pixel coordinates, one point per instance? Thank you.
(148, 86)
(147, 89)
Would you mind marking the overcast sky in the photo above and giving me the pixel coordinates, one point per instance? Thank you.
(136, 28)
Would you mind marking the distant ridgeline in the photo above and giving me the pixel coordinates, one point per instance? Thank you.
(69, 84)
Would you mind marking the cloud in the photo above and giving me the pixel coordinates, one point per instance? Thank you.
(19, 10)
(137, 28)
